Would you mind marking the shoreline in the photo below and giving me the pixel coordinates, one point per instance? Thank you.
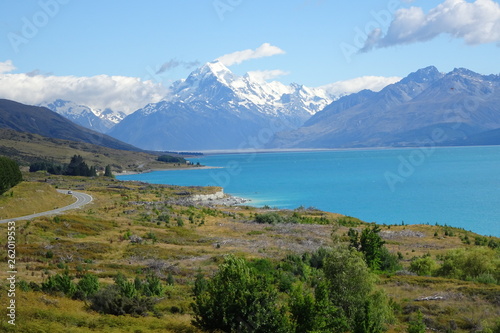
(305, 150)
(129, 173)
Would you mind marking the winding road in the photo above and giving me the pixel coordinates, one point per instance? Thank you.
(81, 200)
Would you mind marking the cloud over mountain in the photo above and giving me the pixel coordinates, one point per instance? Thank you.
(119, 93)
(374, 83)
(265, 50)
(475, 22)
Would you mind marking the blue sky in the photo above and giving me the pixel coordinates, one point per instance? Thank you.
(319, 40)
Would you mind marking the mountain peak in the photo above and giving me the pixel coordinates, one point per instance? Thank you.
(216, 66)
(209, 71)
(426, 74)
(464, 72)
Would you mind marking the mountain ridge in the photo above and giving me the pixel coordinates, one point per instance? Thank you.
(461, 103)
(40, 120)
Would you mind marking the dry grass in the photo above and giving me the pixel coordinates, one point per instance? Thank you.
(29, 198)
(94, 239)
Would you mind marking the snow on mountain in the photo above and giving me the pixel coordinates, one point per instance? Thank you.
(214, 108)
(95, 119)
(215, 82)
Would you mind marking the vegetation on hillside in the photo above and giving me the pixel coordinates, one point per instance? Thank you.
(145, 258)
(28, 148)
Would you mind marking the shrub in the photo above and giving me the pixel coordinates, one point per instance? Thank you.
(237, 300)
(471, 264)
(59, 283)
(269, 218)
(87, 286)
(110, 300)
(423, 266)
(417, 325)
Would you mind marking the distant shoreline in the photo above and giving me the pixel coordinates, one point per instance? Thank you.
(128, 173)
(305, 150)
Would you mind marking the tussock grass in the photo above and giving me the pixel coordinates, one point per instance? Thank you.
(96, 239)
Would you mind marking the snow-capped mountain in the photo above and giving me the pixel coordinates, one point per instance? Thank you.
(95, 119)
(455, 105)
(215, 82)
(214, 108)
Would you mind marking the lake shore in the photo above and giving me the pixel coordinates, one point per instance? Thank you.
(127, 172)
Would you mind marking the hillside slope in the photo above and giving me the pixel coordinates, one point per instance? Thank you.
(26, 148)
(42, 121)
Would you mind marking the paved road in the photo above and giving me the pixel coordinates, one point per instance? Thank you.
(81, 200)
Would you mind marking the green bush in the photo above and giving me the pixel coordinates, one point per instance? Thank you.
(237, 300)
(269, 218)
(417, 325)
(471, 264)
(87, 286)
(110, 300)
(59, 283)
(423, 266)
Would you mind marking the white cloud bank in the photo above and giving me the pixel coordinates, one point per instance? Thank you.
(374, 83)
(119, 93)
(265, 50)
(475, 22)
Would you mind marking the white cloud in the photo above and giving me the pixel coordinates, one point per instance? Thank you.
(374, 83)
(265, 50)
(267, 74)
(475, 22)
(119, 93)
(6, 67)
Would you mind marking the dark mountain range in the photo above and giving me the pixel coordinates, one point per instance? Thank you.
(42, 121)
(459, 104)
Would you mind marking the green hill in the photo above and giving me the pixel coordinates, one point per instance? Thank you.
(27, 148)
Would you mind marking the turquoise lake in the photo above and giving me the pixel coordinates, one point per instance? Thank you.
(457, 186)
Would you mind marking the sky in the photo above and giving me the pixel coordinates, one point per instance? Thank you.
(125, 54)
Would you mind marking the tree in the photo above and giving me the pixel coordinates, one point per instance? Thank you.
(417, 325)
(77, 167)
(371, 245)
(107, 171)
(10, 175)
(236, 299)
(315, 313)
(351, 287)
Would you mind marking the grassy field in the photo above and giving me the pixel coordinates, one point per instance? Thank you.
(180, 239)
(31, 197)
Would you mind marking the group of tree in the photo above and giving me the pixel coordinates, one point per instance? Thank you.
(338, 295)
(133, 297)
(171, 159)
(10, 175)
(76, 167)
(480, 264)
